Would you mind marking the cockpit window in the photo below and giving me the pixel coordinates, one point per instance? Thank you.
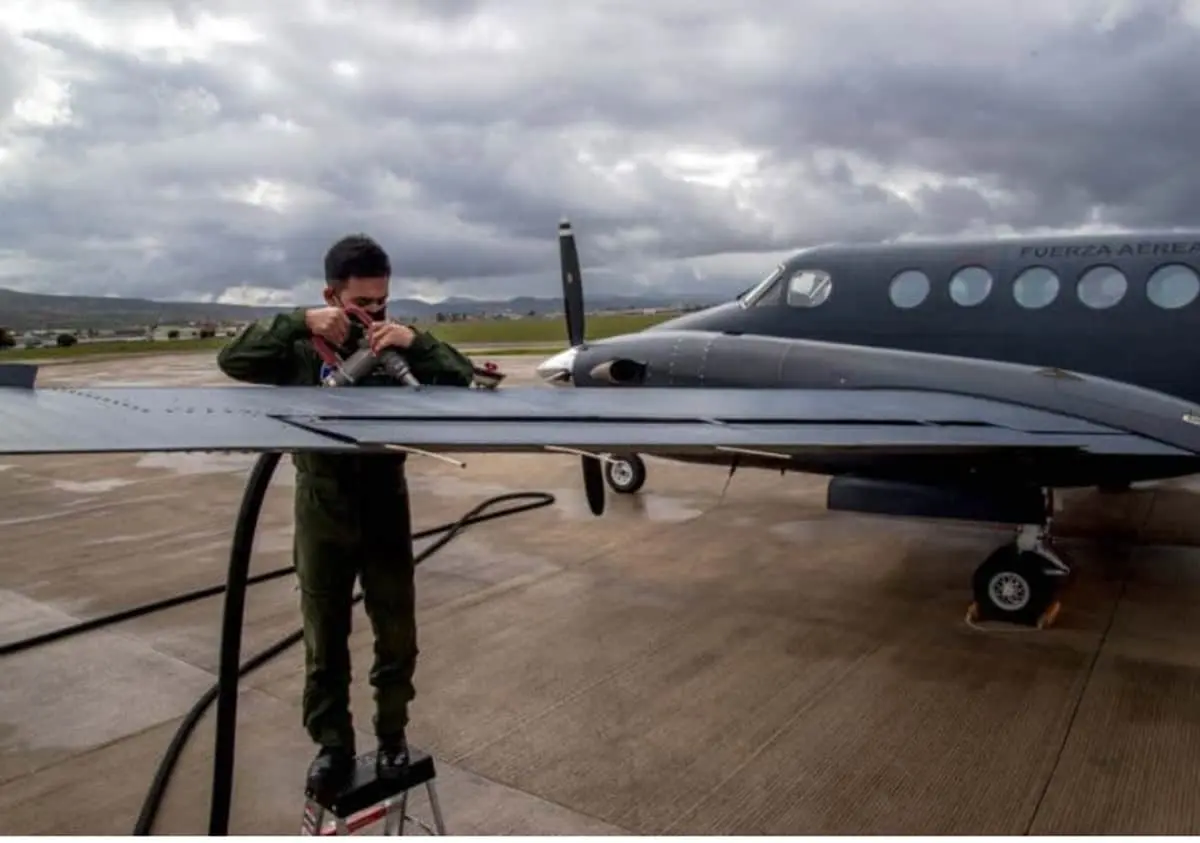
(751, 296)
(809, 288)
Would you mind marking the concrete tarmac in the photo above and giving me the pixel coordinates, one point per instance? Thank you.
(697, 661)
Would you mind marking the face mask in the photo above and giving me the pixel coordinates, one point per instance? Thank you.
(376, 314)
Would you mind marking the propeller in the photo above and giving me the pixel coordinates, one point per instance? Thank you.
(572, 283)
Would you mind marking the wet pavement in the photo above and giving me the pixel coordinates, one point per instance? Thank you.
(697, 661)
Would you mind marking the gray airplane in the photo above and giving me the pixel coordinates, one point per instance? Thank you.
(951, 380)
(1092, 328)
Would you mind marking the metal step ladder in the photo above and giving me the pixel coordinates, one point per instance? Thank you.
(367, 799)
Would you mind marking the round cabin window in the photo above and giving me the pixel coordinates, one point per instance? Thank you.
(1102, 287)
(1035, 287)
(1173, 286)
(909, 288)
(970, 286)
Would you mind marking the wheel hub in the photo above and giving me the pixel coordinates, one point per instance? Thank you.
(622, 472)
(1009, 591)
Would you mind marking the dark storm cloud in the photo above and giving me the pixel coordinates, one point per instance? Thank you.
(1092, 118)
(459, 132)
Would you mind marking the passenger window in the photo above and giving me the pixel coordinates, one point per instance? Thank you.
(1102, 287)
(809, 288)
(1035, 287)
(970, 286)
(1173, 286)
(909, 288)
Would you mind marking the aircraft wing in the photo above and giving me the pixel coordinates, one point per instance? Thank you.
(447, 419)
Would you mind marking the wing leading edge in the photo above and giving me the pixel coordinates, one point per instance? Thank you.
(447, 419)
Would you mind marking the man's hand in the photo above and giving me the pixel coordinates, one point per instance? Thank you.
(332, 323)
(382, 335)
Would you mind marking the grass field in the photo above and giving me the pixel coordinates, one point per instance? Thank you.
(537, 330)
(511, 333)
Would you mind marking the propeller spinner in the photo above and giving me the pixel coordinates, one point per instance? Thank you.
(572, 283)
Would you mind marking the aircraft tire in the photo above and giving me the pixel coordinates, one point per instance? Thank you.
(1013, 586)
(625, 474)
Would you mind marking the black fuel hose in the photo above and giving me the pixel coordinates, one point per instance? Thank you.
(129, 614)
(252, 500)
(228, 668)
(12, 647)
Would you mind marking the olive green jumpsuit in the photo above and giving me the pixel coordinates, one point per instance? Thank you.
(352, 519)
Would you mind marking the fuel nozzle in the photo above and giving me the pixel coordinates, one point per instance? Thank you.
(355, 367)
(397, 367)
(363, 361)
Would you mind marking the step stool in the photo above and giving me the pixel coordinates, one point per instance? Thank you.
(368, 799)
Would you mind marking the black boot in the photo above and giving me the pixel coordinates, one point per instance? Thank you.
(329, 772)
(392, 759)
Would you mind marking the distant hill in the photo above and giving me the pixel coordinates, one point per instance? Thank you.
(35, 311)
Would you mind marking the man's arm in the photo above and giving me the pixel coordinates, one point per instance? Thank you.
(264, 352)
(436, 362)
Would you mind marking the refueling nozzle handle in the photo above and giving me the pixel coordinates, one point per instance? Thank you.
(349, 371)
(359, 364)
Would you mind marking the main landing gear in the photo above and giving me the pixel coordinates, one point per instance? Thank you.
(1020, 582)
(625, 473)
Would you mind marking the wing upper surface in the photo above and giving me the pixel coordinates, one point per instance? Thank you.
(606, 405)
(668, 420)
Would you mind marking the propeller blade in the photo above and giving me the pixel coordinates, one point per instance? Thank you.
(593, 484)
(572, 282)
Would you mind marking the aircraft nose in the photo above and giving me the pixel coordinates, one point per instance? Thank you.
(557, 370)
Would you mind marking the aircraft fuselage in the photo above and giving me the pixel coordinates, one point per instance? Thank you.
(958, 316)
(1096, 331)
(1124, 307)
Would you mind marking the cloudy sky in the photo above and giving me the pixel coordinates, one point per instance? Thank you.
(207, 150)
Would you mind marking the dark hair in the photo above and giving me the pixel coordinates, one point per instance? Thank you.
(355, 256)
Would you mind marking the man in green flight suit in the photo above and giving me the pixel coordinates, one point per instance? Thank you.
(352, 515)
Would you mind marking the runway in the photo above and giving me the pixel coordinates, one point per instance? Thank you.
(697, 661)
